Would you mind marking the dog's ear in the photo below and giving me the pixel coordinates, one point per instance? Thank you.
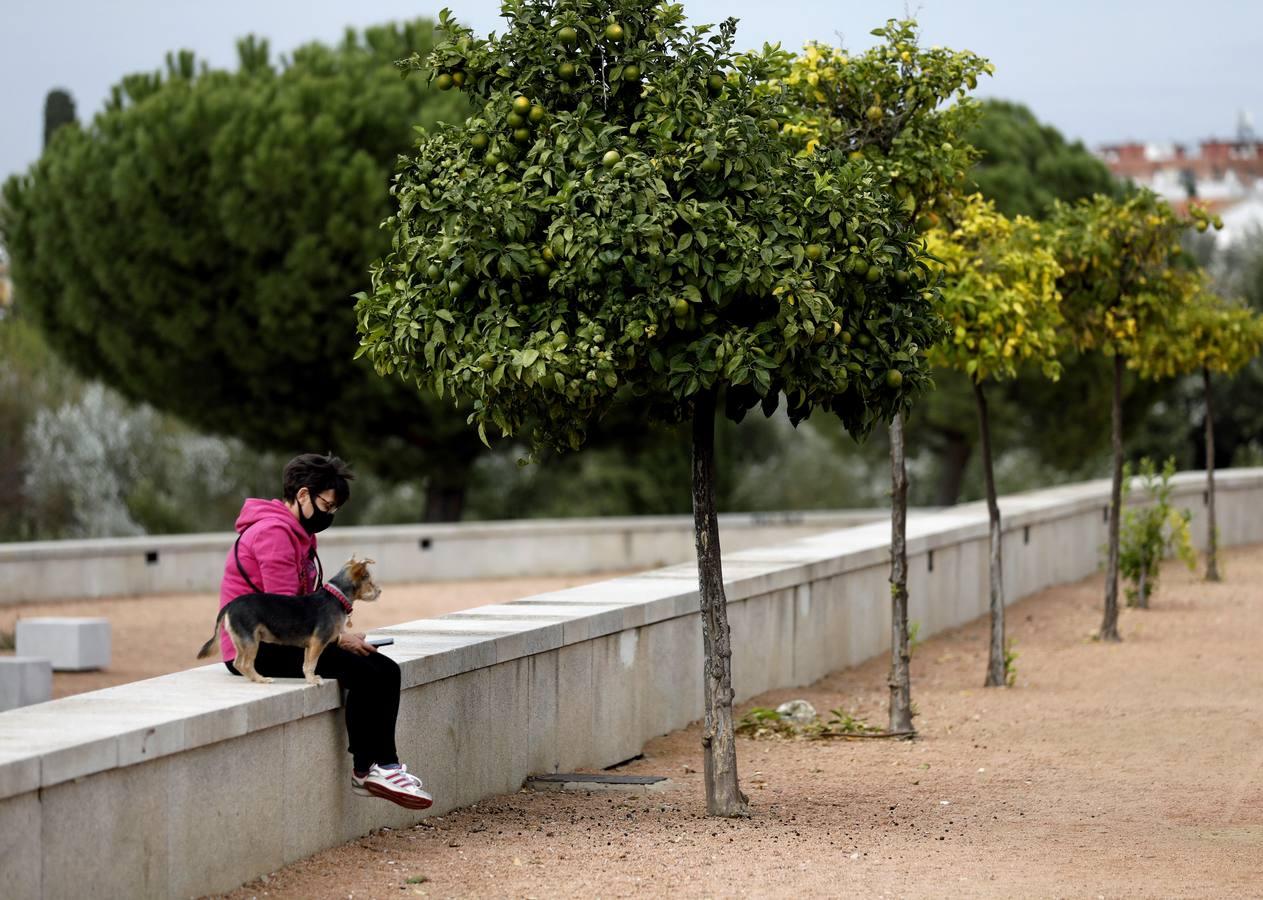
(358, 569)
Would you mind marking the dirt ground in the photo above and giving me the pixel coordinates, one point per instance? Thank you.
(1129, 770)
(160, 634)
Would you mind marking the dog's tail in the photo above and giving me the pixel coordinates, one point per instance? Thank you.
(209, 645)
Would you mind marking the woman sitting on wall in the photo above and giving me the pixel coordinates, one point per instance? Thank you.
(275, 553)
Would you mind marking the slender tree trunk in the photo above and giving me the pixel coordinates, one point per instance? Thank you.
(995, 657)
(955, 461)
(723, 793)
(443, 502)
(900, 678)
(1109, 626)
(1212, 532)
(1142, 589)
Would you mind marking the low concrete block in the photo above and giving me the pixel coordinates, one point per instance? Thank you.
(72, 645)
(24, 680)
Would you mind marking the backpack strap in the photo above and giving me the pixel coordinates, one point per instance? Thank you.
(236, 554)
(320, 571)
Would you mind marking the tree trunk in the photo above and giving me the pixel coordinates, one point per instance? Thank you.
(1142, 588)
(955, 461)
(443, 503)
(1212, 535)
(996, 676)
(900, 679)
(445, 494)
(1109, 626)
(723, 793)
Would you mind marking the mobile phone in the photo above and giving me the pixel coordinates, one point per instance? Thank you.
(381, 642)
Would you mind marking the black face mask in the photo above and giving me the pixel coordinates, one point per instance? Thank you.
(318, 521)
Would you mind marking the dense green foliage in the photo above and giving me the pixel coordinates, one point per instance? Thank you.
(1208, 333)
(892, 104)
(999, 294)
(197, 246)
(1124, 275)
(31, 380)
(640, 230)
(1025, 165)
(1238, 414)
(899, 105)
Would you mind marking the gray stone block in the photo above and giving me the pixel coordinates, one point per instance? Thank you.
(133, 837)
(73, 645)
(319, 809)
(867, 616)
(505, 728)
(226, 812)
(615, 722)
(669, 687)
(576, 692)
(467, 736)
(763, 643)
(24, 680)
(542, 701)
(21, 866)
(813, 642)
(428, 737)
(19, 771)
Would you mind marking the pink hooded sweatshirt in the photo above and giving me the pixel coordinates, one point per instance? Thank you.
(276, 553)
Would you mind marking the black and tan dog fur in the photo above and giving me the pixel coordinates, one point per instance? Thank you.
(311, 622)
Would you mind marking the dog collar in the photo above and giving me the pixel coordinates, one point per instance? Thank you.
(341, 597)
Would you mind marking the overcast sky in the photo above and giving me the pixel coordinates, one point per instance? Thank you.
(1100, 70)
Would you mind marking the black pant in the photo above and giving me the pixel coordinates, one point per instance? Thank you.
(372, 700)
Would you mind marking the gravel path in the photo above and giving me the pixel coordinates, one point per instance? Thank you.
(1132, 770)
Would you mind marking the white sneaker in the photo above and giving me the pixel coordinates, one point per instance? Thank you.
(397, 785)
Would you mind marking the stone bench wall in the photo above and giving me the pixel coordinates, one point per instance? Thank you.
(113, 567)
(197, 782)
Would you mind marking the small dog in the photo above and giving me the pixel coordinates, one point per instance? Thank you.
(311, 622)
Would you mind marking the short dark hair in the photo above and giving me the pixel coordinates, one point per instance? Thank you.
(318, 473)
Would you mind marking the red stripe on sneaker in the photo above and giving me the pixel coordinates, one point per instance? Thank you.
(409, 801)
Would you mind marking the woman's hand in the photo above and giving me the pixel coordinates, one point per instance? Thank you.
(355, 643)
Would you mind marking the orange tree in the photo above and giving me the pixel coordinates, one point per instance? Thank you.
(1125, 280)
(621, 222)
(999, 299)
(886, 107)
(1209, 335)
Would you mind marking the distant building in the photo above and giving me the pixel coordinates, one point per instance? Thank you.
(1225, 176)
